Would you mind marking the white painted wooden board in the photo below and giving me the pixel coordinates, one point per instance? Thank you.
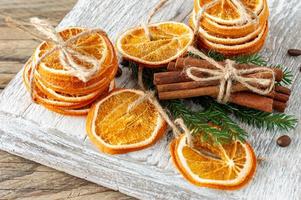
(60, 142)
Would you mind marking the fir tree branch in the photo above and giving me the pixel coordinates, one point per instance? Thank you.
(259, 119)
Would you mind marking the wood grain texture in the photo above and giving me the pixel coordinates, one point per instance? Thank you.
(21, 178)
(60, 142)
(24, 179)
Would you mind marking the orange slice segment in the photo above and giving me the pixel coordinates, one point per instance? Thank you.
(232, 168)
(114, 130)
(169, 41)
(253, 5)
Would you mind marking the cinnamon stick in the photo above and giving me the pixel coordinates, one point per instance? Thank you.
(181, 63)
(185, 85)
(276, 94)
(281, 97)
(282, 89)
(252, 100)
(202, 91)
(246, 99)
(180, 76)
(279, 106)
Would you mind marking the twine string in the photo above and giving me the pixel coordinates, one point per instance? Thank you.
(187, 132)
(150, 16)
(10, 22)
(228, 73)
(150, 96)
(200, 13)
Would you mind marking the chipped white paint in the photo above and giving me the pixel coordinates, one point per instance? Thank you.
(60, 142)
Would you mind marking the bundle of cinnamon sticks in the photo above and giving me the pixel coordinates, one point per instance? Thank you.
(175, 84)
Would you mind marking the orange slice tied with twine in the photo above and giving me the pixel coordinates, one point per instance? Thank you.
(154, 45)
(228, 166)
(115, 126)
(230, 27)
(169, 40)
(70, 69)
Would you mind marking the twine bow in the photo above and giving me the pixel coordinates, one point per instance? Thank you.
(68, 53)
(228, 74)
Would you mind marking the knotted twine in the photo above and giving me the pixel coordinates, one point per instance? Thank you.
(228, 74)
(67, 49)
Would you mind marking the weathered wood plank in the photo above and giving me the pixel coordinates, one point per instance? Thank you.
(149, 174)
(5, 79)
(10, 67)
(24, 179)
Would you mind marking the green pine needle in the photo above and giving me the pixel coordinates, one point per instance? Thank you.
(287, 76)
(269, 121)
(254, 59)
(259, 119)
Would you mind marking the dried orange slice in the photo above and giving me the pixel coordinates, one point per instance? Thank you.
(70, 112)
(115, 130)
(222, 21)
(232, 166)
(231, 12)
(248, 47)
(169, 41)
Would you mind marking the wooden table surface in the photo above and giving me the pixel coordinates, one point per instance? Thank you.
(21, 178)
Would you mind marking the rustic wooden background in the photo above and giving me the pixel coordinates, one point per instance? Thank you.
(21, 178)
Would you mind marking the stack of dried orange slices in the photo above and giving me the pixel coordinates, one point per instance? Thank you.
(231, 27)
(58, 89)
